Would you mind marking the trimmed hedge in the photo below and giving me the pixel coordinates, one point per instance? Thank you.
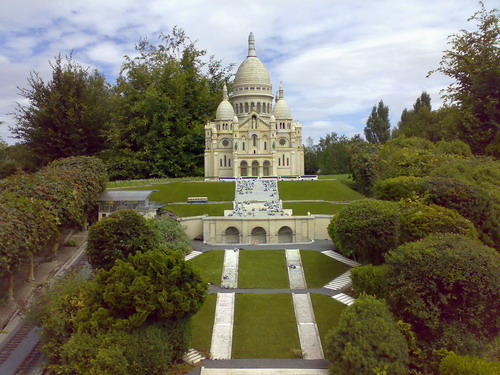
(366, 229)
(370, 280)
(454, 364)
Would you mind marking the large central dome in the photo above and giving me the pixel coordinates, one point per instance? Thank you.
(252, 71)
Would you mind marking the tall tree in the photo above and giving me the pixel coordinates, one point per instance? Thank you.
(473, 62)
(165, 95)
(332, 154)
(65, 115)
(378, 128)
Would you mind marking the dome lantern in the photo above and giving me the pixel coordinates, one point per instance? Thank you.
(225, 110)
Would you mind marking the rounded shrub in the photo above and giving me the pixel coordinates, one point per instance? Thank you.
(369, 279)
(454, 364)
(419, 220)
(404, 187)
(117, 236)
(446, 287)
(366, 341)
(366, 229)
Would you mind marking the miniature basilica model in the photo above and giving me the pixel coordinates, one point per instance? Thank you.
(249, 136)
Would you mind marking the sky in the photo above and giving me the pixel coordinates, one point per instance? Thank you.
(336, 58)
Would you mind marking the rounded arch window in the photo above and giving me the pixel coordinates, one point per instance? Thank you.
(225, 142)
(282, 141)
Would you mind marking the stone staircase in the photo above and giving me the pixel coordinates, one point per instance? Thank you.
(341, 282)
(193, 357)
(340, 258)
(344, 298)
(192, 255)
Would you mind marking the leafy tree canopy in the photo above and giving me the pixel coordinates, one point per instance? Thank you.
(65, 115)
(473, 63)
(378, 128)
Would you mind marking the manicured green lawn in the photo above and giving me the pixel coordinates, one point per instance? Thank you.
(320, 269)
(202, 324)
(180, 191)
(322, 189)
(262, 269)
(150, 181)
(264, 326)
(199, 209)
(209, 264)
(313, 207)
(327, 313)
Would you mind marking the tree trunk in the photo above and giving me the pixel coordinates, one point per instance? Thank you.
(31, 270)
(54, 247)
(10, 287)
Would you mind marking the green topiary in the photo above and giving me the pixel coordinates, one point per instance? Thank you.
(366, 229)
(404, 187)
(370, 280)
(367, 340)
(419, 220)
(446, 287)
(454, 364)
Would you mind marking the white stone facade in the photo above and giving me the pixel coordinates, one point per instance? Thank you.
(249, 136)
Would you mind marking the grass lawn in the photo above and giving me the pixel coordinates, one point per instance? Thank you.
(202, 324)
(264, 326)
(262, 269)
(328, 190)
(327, 313)
(209, 264)
(313, 207)
(320, 269)
(149, 181)
(198, 209)
(180, 191)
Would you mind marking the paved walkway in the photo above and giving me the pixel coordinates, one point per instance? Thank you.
(222, 334)
(295, 269)
(310, 341)
(230, 270)
(262, 371)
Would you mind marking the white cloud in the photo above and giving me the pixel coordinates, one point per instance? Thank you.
(336, 58)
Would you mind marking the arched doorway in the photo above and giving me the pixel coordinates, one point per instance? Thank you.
(255, 168)
(232, 235)
(285, 235)
(243, 168)
(266, 168)
(259, 235)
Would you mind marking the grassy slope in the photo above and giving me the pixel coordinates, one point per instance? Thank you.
(180, 191)
(262, 269)
(311, 190)
(320, 269)
(313, 208)
(265, 326)
(202, 324)
(209, 265)
(327, 313)
(200, 209)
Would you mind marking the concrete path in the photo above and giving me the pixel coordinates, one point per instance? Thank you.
(341, 282)
(222, 334)
(262, 371)
(344, 298)
(295, 270)
(230, 269)
(340, 258)
(308, 330)
(192, 254)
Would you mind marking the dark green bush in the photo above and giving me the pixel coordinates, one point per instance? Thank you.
(367, 340)
(404, 187)
(419, 220)
(370, 280)
(117, 236)
(446, 287)
(454, 364)
(366, 229)
(455, 147)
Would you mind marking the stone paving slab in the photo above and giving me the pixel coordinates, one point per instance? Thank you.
(340, 258)
(222, 334)
(230, 269)
(295, 270)
(341, 282)
(344, 298)
(192, 254)
(262, 371)
(310, 342)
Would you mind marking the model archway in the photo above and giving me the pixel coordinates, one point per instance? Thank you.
(255, 168)
(285, 235)
(266, 168)
(259, 235)
(243, 168)
(232, 235)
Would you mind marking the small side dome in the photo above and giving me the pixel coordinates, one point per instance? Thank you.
(273, 119)
(225, 110)
(281, 108)
(235, 119)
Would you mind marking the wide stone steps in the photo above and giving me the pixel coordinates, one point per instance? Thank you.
(340, 258)
(344, 298)
(193, 357)
(341, 282)
(192, 254)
